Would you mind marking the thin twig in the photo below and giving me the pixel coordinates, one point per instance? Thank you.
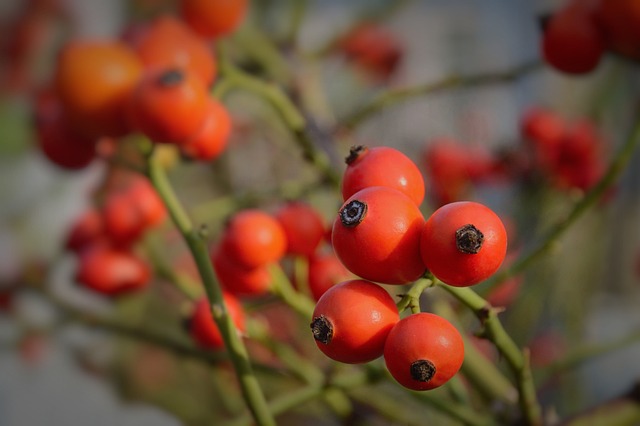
(518, 360)
(236, 349)
(393, 97)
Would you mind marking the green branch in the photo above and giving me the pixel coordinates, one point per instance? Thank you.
(412, 298)
(393, 97)
(249, 385)
(235, 78)
(517, 360)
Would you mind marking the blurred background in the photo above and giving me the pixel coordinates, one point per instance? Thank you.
(582, 294)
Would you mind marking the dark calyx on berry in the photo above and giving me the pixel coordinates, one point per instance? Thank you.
(353, 213)
(355, 152)
(469, 239)
(422, 370)
(322, 329)
(171, 77)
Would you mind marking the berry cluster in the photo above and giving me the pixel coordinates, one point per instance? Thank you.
(153, 80)
(381, 236)
(552, 151)
(253, 241)
(104, 237)
(577, 35)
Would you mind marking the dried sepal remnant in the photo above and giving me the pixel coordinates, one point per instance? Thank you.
(322, 329)
(469, 239)
(353, 213)
(355, 152)
(422, 370)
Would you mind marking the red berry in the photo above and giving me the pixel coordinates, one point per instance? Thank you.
(572, 41)
(382, 166)
(620, 23)
(111, 271)
(254, 238)
(325, 271)
(351, 321)
(373, 49)
(213, 18)
(423, 351)
(452, 167)
(211, 140)
(376, 235)
(463, 243)
(169, 105)
(168, 43)
(238, 280)
(303, 226)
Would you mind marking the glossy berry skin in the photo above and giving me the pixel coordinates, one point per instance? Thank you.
(376, 235)
(211, 139)
(112, 272)
(351, 321)
(463, 243)
(382, 166)
(169, 106)
(423, 351)
(213, 18)
(324, 271)
(253, 238)
(303, 226)
(239, 281)
(168, 43)
(203, 329)
(572, 41)
(94, 79)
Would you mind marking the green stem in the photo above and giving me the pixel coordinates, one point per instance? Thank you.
(617, 166)
(291, 400)
(477, 369)
(233, 77)
(249, 385)
(412, 297)
(392, 97)
(517, 360)
(283, 288)
(189, 288)
(298, 9)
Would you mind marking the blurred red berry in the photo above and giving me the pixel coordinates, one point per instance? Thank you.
(112, 272)
(303, 225)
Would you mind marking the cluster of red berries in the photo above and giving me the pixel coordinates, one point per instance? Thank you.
(553, 150)
(252, 241)
(104, 238)
(381, 236)
(570, 154)
(577, 35)
(154, 80)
